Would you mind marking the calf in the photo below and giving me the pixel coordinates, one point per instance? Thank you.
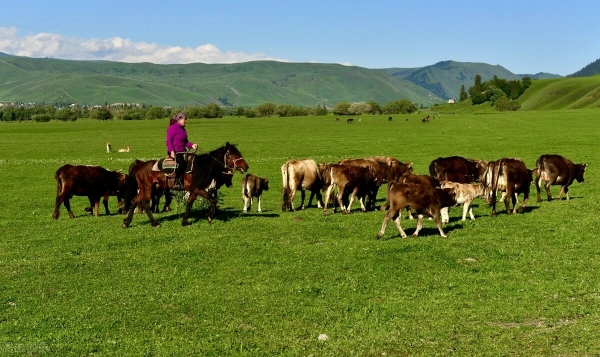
(353, 181)
(465, 193)
(423, 199)
(95, 182)
(557, 170)
(253, 186)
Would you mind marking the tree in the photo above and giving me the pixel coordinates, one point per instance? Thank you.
(156, 113)
(320, 111)
(265, 110)
(463, 94)
(402, 106)
(476, 91)
(358, 108)
(342, 108)
(101, 113)
(374, 108)
(504, 104)
(212, 110)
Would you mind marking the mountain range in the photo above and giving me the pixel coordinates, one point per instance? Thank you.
(48, 80)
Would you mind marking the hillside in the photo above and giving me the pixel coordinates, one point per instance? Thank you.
(242, 84)
(543, 94)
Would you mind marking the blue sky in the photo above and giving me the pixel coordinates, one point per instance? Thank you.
(552, 36)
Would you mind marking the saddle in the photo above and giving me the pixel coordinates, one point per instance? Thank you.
(168, 165)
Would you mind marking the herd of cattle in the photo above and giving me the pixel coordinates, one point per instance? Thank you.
(451, 181)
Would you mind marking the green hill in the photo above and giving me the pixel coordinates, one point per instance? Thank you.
(245, 84)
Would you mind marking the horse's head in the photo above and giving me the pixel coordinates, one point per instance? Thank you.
(234, 160)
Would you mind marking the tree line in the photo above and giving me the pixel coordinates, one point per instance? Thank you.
(39, 112)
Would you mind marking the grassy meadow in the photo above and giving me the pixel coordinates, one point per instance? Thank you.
(271, 283)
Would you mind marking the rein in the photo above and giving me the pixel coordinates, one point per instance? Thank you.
(231, 170)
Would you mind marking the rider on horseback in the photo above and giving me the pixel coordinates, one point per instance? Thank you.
(177, 142)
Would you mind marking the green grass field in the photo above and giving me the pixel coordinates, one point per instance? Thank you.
(270, 283)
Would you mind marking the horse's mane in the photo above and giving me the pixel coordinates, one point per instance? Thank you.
(210, 165)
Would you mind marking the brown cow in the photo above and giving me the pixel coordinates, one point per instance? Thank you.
(457, 169)
(301, 175)
(557, 170)
(424, 200)
(419, 180)
(510, 176)
(353, 181)
(95, 182)
(387, 169)
(465, 194)
(253, 186)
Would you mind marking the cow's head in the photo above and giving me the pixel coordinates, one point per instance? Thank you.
(265, 184)
(579, 171)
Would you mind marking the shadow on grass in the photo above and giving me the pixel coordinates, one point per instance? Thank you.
(425, 232)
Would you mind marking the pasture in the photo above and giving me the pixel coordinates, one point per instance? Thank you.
(270, 283)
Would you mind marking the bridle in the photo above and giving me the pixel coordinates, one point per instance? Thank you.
(231, 169)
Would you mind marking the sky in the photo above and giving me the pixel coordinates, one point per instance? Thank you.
(525, 37)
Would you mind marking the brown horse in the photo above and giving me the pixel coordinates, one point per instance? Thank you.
(209, 172)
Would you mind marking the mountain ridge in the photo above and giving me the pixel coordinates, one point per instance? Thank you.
(51, 80)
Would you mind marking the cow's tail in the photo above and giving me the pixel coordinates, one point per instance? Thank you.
(59, 184)
(285, 189)
(433, 169)
(495, 177)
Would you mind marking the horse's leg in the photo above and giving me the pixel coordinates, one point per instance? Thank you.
(168, 200)
(190, 203)
(142, 199)
(59, 201)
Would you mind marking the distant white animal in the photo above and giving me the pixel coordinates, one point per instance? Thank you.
(125, 149)
(108, 147)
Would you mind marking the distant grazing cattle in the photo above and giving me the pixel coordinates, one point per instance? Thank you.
(390, 119)
(424, 200)
(95, 182)
(337, 119)
(352, 181)
(557, 170)
(425, 120)
(510, 176)
(108, 147)
(465, 194)
(457, 169)
(349, 120)
(253, 186)
(125, 149)
(301, 175)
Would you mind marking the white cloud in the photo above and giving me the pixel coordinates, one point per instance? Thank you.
(116, 49)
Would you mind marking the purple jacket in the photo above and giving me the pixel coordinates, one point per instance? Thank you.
(177, 138)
